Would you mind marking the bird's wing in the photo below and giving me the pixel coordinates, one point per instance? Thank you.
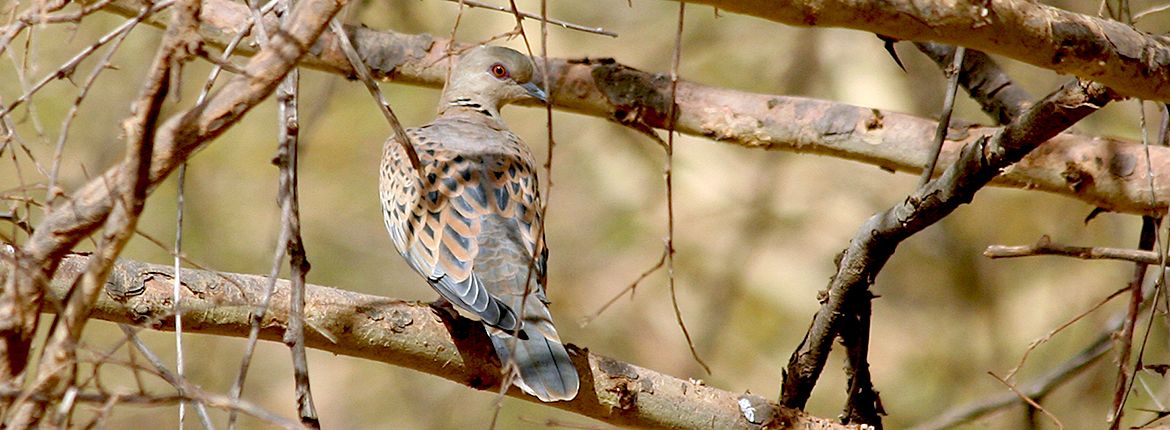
(511, 263)
(435, 219)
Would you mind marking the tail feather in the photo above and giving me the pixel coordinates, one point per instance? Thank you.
(545, 370)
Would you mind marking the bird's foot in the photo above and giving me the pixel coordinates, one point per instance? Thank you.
(443, 306)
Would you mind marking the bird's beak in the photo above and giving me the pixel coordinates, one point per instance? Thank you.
(535, 91)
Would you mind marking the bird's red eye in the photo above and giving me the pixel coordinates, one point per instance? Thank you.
(499, 71)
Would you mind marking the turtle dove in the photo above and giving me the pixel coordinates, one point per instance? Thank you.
(469, 220)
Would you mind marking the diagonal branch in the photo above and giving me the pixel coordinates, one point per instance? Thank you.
(879, 236)
(414, 336)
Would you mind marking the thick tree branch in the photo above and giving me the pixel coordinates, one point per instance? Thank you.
(1099, 171)
(1129, 61)
(415, 336)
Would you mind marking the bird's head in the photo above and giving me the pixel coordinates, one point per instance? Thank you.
(492, 76)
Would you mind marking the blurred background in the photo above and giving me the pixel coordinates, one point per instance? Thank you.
(756, 232)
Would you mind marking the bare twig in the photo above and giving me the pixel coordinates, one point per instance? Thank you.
(30, 16)
(256, 317)
(294, 335)
(1151, 11)
(944, 120)
(543, 17)
(1048, 336)
(213, 400)
(363, 73)
(677, 58)
(1125, 338)
(176, 380)
(102, 64)
(1029, 400)
(67, 69)
(628, 289)
(177, 286)
(1044, 246)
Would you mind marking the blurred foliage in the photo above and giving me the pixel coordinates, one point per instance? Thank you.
(756, 235)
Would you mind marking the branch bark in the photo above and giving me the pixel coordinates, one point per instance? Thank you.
(1099, 171)
(414, 336)
(1131, 62)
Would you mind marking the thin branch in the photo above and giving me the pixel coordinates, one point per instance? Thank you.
(542, 18)
(102, 64)
(1028, 400)
(1156, 9)
(298, 261)
(669, 173)
(30, 16)
(1125, 338)
(177, 286)
(258, 311)
(632, 288)
(944, 120)
(1048, 336)
(1044, 246)
(176, 380)
(363, 73)
(66, 70)
(414, 336)
(211, 399)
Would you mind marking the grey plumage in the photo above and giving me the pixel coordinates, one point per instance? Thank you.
(469, 223)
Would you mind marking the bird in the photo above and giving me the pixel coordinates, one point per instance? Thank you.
(468, 219)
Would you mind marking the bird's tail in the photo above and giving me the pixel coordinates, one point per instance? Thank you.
(544, 367)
